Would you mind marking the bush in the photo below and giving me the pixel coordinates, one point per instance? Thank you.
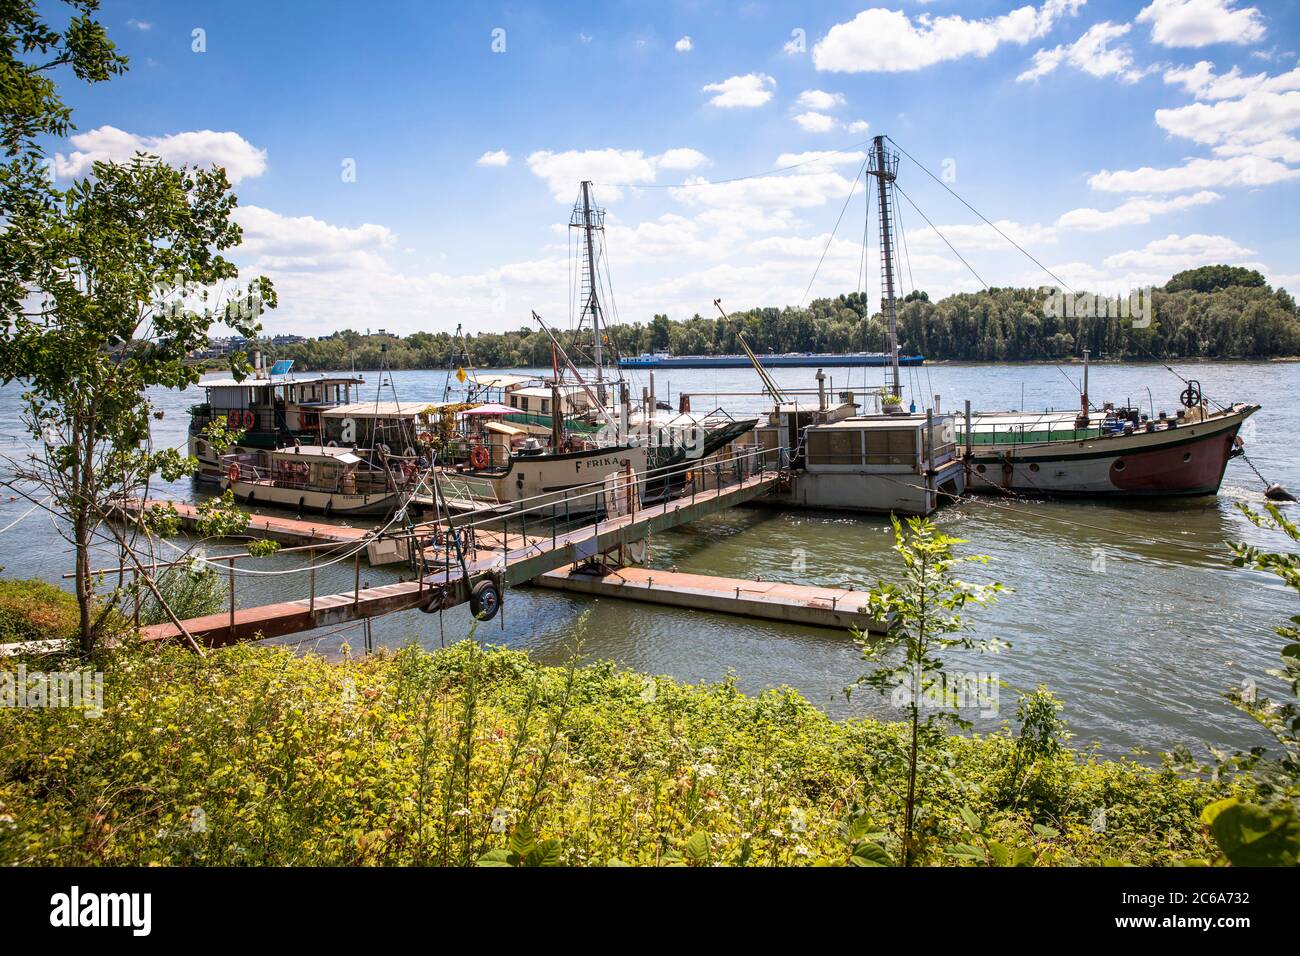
(256, 756)
(35, 610)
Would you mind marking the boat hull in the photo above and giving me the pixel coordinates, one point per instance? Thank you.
(302, 499)
(1187, 460)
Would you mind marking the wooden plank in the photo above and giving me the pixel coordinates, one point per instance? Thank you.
(773, 601)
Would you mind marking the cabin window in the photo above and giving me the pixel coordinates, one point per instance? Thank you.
(891, 446)
(840, 447)
(514, 401)
(546, 406)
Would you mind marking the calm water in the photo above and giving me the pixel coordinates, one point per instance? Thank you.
(1140, 652)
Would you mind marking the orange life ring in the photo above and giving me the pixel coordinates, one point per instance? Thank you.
(479, 457)
(233, 471)
(232, 419)
(248, 419)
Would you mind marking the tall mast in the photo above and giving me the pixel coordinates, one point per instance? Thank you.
(589, 219)
(884, 166)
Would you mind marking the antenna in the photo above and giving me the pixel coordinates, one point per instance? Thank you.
(884, 166)
(591, 219)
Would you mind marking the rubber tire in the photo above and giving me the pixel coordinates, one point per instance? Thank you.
(484, 600)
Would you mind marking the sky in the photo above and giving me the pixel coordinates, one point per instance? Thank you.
(412, 165)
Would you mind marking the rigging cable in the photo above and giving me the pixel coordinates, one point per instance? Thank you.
(831, 237)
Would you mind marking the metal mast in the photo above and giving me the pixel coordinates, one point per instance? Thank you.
(589, 219)
(884, 166)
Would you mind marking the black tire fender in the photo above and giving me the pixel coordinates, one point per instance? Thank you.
(485, 599)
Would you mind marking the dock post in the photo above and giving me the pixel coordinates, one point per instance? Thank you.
(929, 457)
(356, 578)
(230, 575)
(967, 429)
(311, 578)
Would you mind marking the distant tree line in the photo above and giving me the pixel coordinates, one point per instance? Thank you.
(1215, 311)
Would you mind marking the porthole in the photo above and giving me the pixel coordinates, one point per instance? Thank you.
(1187, 456)
(1119, 465)
(1033, 467)
(980, 469)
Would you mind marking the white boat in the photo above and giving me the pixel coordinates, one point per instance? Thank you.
(1105, 454)
(334, 481)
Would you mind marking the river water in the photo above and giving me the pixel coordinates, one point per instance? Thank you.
(1131, 613)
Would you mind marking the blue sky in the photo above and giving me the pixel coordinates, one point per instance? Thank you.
(1118, 142)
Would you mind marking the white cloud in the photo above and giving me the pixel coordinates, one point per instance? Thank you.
(684, 45)
(1132, 212)
(497, 157)
(1092, 53)
(199, 148)
(800, 189)
(752, 89)
(820, 100)
(1257, 116)
(888, 41)
(1197, 23)
(1194, 174)
(980, 236)
(304, 243)
(858, 126)
(681, 158)
(563, 171)
(142, 25)
(1175, 253)
(815, 122)
(1284, 148)
(610, 167)
(1202, 82)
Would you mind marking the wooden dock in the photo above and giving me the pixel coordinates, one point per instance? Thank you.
(291, 531)
(769, 600)
(519, 558)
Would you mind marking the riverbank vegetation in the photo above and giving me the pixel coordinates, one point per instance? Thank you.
(259, 756)
(1216, 312)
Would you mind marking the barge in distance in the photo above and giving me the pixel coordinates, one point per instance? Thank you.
(785, 360)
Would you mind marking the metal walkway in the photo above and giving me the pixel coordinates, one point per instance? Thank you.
(500, 556)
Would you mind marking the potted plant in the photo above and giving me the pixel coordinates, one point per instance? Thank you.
(891, 404)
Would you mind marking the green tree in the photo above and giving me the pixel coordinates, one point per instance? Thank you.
(118, 297)
(30, 107)
(926, 616)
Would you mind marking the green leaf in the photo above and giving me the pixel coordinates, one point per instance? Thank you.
(546, 853)
(521, 841)
(871, 854)
(1212, 810)
(697, 848)
(972, 819)
(1251, 835)
(497, 857)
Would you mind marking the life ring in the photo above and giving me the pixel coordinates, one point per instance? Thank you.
(408, 469)
(233, 471)
(331, 444)
(232, 420)
(409, 453)
(248, 419)
(479, 457)
(383, 449)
